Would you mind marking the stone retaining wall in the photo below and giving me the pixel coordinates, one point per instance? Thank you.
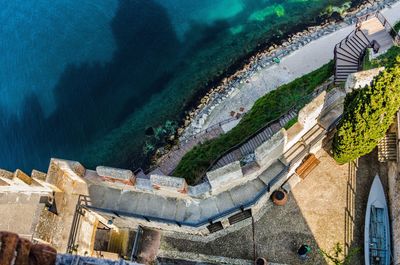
(168, 203)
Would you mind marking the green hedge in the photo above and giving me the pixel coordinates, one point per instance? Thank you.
(388, 59)
(368, 114)
(267, 108)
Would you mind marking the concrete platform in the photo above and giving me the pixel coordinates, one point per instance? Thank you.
(325, 208)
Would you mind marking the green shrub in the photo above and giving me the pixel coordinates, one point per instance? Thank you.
(367, 116)
(387, 59)
(269, 107)
(291, 122)
(337, 255)
(366, 63)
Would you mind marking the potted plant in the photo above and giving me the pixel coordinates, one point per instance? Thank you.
(261, 261)
(279, 197)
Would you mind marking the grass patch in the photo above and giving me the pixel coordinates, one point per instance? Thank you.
(366, 63)
(387, 59)
(267, 108)
(291, 122)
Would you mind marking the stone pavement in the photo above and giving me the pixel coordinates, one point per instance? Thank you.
(316, 214)
(148, 247)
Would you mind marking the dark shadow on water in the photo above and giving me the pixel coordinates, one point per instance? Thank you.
(92, 98)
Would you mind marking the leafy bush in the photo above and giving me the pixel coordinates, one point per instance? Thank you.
(269, 107)
(387, 59)
(367, 116)
(337, 256)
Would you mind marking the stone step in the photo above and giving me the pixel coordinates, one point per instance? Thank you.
(357, 47)
(348, 52)
(239, 217)
(344, 57)
(362, 38)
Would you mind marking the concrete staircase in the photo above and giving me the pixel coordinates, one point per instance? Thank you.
(254, 142)
(387, 148)
(18, 181)
(348, 55)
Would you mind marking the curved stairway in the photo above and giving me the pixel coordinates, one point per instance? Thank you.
(349, 53)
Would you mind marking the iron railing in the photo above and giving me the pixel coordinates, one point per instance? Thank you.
(296, 107)
(389, 28)
(75, 222)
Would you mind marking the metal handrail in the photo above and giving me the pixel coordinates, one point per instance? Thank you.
(237, 146)
(384, 22)
(292, 108)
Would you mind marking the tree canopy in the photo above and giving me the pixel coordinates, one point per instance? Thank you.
(368, 114)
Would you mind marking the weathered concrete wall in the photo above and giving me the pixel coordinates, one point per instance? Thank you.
(123, 176)
(269, 151)
(86, 234)
(67, 176)
(19, 212)
(6, 174)
(169, 186)
(225, 177)
(307, 118)
(333, 99)
(361, 79)
(309, 113)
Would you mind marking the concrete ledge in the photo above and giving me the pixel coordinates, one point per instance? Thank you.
(225, 177)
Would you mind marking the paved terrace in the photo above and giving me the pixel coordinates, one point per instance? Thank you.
(325, 208)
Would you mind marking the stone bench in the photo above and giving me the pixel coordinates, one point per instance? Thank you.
(308, 164)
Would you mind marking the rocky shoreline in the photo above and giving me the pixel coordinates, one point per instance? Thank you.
(194, 120)
(192, 124)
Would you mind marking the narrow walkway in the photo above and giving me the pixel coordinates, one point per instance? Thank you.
(168, 162)
(375, 30)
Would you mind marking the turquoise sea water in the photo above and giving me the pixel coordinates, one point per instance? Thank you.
(83, 80)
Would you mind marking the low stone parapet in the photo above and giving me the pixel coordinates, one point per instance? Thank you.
(123, 176)
(226, 177)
